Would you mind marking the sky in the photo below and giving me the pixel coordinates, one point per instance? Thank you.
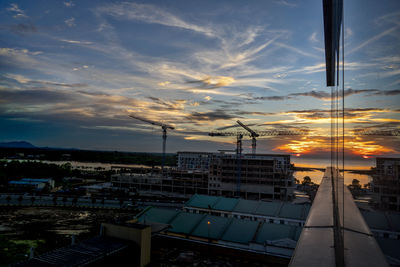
(71, 73)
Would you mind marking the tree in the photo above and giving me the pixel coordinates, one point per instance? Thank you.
(306, 180)
(20, 198)
(74, 201)
(8, 198)
(356, 183)
(64, 200)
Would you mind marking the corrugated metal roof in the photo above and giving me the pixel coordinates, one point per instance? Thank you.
(221, 228)
(240, 231)
(268, 208)
(253, 207)
(79, 254)
(202, 201)
(273, 231)
(185, 222)
(213, 230)
(226, 204)
(246, 206)
(292, 211)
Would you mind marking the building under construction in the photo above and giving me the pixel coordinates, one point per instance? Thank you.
(386, 183)
(262, 176)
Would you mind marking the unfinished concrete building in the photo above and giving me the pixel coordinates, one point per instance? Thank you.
(386, 183)
(261, 176)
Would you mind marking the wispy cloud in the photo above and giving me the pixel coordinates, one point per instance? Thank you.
(75, 42)
(19, 13)
(69, 4)
(324, 95)
(150, 14)
(70, 22)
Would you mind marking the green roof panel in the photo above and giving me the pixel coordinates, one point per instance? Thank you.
(246, 206)
(240, 231)
(185, 222)
(268, 208)
(273, 231)
(291, 211)
(214, 229)
(201, 201)
(226, 204)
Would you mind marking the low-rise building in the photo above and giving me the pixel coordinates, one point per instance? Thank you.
(26, 184)
(386, 183)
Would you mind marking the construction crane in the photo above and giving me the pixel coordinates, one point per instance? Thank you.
(395, 132)
(253, 136)
(272, 132)
(164, 128)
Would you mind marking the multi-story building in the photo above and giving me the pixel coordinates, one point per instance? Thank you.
(386, 183)
(194, 160)
(261, 176)
(176, 183)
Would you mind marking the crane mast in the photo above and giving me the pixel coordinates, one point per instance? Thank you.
(253, 136)
(164, 128)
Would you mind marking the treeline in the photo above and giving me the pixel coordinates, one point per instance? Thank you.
(15, 170)
(148, 159)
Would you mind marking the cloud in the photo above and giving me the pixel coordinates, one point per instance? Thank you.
(388, 92)
(70, 22)
(27, 81)
(213, 82)
(150, 14)
(69, 4)
(20, 28)
(211, 116)
(297, 50)
(19, 13)
(286, 3)
(322, 114)
(164, 83)
(324, 95)
(75, 42)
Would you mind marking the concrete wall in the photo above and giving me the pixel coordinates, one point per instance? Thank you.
(140, 235)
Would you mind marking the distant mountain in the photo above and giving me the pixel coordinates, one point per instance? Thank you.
(17, 144)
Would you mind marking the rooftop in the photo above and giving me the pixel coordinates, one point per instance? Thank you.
(206, 226)
(271, 209)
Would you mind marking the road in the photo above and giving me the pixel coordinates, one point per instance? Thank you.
(81, 202)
